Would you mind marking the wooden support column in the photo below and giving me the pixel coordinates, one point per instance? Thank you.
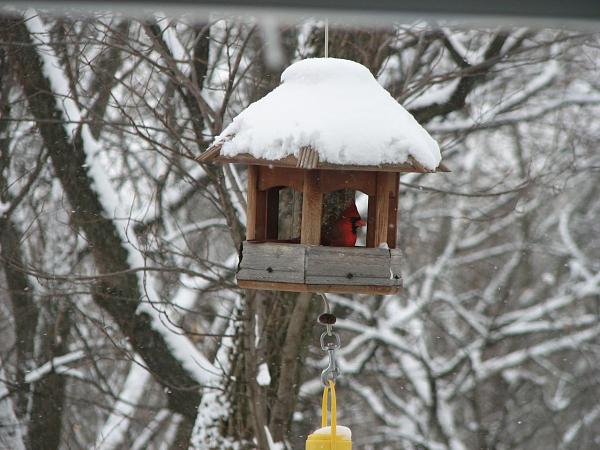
(312, 208)
(382, 202)
(371, 220)
(371, 213)
(257, 208)
(393, 210)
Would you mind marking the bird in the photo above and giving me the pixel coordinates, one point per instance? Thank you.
(343, 232)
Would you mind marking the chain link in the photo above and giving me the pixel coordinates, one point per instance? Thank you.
(330, 342)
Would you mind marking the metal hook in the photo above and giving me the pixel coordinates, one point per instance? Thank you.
(330, 343)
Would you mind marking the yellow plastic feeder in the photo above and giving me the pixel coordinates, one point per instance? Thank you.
(329, 437)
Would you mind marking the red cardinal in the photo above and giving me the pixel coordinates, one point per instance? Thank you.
(343, 232)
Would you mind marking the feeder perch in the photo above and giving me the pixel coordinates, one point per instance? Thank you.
(315, 169)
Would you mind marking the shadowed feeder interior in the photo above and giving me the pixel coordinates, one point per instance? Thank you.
(277, 196)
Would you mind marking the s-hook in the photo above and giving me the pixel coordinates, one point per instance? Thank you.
(330, 342)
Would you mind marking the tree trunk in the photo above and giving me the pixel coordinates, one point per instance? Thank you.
(49, 392)
(119, 295)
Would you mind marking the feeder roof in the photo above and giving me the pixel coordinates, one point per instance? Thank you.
(328, 113)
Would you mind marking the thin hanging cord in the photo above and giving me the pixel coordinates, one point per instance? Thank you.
(326, 38)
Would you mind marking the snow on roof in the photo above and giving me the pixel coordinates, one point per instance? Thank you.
(336, 107)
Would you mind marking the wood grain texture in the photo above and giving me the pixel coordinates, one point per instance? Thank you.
(260, 226)
(393, 211)
(382, 202)
(308, 158)
(396, 264)
(349, 179)
(251, 202)
(210, 154)
(371, 222)
(292, 161)
(272, 262)
(280, 177)
(312, 208)
(348, 266)
(307, 268)
(300, 287)
(343, 261)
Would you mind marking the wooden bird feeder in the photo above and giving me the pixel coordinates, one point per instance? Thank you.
(315, 89)
(307, 266)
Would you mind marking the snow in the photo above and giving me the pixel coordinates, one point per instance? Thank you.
(272, 444)
(337, 107)
(151, 429)
(11, 435)
(3, 208)
(586, 421)
(263, 378)
(182, 348)
(57, 364)
(341, 431)
(502, 111)
(437, 94)
(117, 424)
(169, 34)
(214, 405)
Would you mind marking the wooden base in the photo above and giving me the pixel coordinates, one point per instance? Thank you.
(325, 288)
(293, 267)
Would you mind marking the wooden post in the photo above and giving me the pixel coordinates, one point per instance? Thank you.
(382, 208)
(256, 210)
(312, 208)
(371, 221)
(393, 211)
(251, 203)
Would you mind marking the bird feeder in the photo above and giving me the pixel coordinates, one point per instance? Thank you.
(312, 134)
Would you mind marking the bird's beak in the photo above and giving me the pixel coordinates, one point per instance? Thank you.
(360, 223)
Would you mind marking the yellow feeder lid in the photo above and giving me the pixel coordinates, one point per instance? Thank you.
(321, 439)
(332, 437)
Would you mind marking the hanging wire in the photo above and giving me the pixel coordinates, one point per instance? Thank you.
(326, 38)
(326, 318)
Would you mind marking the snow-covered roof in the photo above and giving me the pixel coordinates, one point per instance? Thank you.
(336, 108)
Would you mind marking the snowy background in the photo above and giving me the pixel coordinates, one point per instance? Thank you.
(121, 326)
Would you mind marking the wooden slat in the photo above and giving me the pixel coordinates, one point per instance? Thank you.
(210, 154)
(291, 161)
(312, 206)
(393, 211)
(272, 262)
(272, 213)
(308, 158)
(300, 287)
(416, 164)
(251, 202)
(349, 179)
(261, 216)
(306, 268)
(348, 266)
(396, 265)
(371, 222)
(351, 262)
(382, 208)
(269, 177)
